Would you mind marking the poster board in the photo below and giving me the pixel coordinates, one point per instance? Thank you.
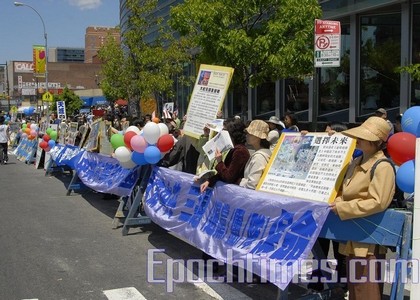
(310, 166)
(105, 146)
(72, 133)
(92, 141)
(83, 131)
(207, 98)
(39, 152)
(63, 133)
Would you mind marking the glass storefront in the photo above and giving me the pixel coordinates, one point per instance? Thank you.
(380, 55)
(266, 98)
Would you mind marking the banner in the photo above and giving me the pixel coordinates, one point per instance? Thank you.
(230, 222)
(105, 174)
(39, 59)
(26, 150)
(66, 155)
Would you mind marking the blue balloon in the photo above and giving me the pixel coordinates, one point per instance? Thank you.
(405, 177)
(138, 158)
(152, 154)
(418, 131)
(51, 143)
(26, 111)
(411, 119)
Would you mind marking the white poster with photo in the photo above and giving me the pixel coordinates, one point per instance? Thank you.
(310, 166)
(207, 97)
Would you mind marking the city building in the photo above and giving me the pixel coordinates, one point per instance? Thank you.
(95, 38)
(377, 37)
(66, 54)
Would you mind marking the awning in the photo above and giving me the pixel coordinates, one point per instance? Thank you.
(99, 100)
(121, 102)
(87, 101)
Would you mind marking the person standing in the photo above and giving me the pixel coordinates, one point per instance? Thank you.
(4, 139)
(276, 127)
(362, 196)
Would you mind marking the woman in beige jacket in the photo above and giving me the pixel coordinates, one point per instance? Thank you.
(360, 197)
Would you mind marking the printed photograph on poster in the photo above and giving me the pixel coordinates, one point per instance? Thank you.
(310, 166)
(93, 138)
(207, 98)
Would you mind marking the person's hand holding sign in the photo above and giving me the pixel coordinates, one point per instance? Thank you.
(218, 155)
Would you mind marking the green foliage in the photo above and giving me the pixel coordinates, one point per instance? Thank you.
(413, 70)
(262, 39)
(73, 102)
(141, 68)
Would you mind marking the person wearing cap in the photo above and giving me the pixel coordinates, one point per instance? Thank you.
(381, 113)
(276, 126)
(361, 196)
(257, 133)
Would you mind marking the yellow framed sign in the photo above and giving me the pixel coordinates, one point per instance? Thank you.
(310, 166)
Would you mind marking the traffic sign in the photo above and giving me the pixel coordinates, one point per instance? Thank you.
(47, 97)
(327, 43)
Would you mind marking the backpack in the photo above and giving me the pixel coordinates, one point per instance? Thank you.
(398, 200)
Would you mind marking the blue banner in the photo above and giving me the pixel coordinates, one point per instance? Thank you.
(66, 155)
(105, 174)
(26, 149)
(232, 223)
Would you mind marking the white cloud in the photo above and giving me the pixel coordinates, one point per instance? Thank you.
(86, 4)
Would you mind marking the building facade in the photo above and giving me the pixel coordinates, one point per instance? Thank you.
(65, 54)
(378, 36)
(95, 38)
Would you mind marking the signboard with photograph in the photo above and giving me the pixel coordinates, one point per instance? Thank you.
(93, 138)
(207, 97)
(72, 133)
(310, 166)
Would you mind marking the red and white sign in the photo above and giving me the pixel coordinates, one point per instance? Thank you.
(327, 43)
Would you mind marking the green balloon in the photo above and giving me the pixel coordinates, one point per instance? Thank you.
(117, 140)
(53, 135)
(24, 126)
(49, 130)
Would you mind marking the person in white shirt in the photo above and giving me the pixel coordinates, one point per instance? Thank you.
(4, 139)
(256, 137)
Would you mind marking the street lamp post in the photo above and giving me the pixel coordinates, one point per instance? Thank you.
(46, 52)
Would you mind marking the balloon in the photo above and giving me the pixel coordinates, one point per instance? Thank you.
(51, 143)
(33, 132)
(46, 137)
(123, 154)
(24, 126)
(418, 131)
(49, 130)
(28, 130)
(127, 138)
(54, 135)
(43, 144)
(152, 154)
(155, 120)
(402, 147)
(30, 137)
(24, 135)
(138, 143)
(34, 127)
(165, 143)
(405, 176)
(138, 158)
(128, 164)
(47, 149)
(151, 132)
(163, 129)
(411, 119)
(117, 140)
(133, 129)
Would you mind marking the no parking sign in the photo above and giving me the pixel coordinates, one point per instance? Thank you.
(327, 43)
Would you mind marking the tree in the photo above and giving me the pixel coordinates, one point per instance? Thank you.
(73, 102)
(143, 68)
(263, 40)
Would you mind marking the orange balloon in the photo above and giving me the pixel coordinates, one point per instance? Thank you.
(28, 131)
(156, 120)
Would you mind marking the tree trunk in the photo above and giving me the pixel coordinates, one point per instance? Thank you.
(134, 107)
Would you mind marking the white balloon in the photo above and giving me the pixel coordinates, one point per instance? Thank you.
(151, 133)
(128, 164)
(123, 154)
(163, 129)
(34, 127)
(133, 128)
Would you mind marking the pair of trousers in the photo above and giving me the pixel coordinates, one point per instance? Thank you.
(3, 152)
(365, 279)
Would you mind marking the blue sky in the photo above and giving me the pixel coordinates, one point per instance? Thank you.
(65, 23)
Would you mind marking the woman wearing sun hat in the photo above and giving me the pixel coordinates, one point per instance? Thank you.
(256, 137)
(360, 197)
(276, 126)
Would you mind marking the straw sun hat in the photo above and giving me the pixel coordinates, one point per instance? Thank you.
(373, 129)
(258, 128)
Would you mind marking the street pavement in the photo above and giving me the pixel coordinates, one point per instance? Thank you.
(54, 246)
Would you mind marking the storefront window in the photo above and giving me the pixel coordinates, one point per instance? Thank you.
(334, 82)
(297, 95)
(266, 95)
(380, 37)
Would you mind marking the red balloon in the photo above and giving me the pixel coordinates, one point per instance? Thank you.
(127, 138)
(402, 147)
(46, 137)
(165, 143)
(43, 144)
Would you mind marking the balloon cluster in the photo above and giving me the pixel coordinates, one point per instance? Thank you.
(29, 110)
(136, 148)
(402, 148)
(29, 131)
(48, 140)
